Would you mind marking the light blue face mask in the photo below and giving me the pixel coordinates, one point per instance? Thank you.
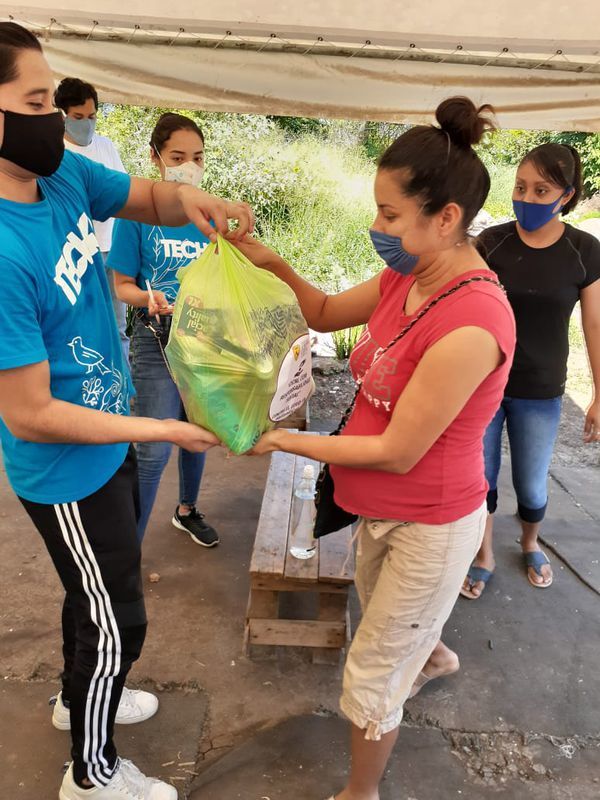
(532, 216)
(80, 130)
(390, 249)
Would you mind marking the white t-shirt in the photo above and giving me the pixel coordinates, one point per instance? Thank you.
(102, 150)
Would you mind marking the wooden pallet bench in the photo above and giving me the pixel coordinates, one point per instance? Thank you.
(274, 570)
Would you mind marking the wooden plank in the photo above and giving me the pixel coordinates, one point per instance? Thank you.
(261, 605)
(297, 633)
(336, 557)
(282, 585)
(268, 555)
(332, 607)
(297, 569)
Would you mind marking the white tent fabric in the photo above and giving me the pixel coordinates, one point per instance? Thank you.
(536, 63)
(320, 86)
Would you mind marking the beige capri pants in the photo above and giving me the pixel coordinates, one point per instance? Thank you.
(408, 577)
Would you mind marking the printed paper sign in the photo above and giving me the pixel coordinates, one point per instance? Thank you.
(294, 382)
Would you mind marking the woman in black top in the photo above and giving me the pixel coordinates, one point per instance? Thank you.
(546, 266)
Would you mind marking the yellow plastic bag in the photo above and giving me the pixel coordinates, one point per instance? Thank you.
(239, 348)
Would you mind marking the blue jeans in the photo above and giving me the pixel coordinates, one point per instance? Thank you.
(120, 309)
(157, 397)
(532, 426)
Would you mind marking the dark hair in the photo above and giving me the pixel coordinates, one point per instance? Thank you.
(439, 165)
(74, 92)
(167, 125)
(559, 164)
(14, 38)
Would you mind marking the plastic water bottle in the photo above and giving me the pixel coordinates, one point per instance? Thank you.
(302, 542)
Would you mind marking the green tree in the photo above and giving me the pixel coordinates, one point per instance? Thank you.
(510, 146)
(301, 126)
(588, 147)
(312, 198)
(311, 185)
(378, 136)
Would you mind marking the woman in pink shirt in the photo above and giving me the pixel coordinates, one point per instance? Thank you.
(410, 460)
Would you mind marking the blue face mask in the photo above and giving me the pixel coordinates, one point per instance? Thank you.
(532, 216)
(390, 249)
(80, 130)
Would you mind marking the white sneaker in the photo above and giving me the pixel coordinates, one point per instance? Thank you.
(134, 706)
(128, 783)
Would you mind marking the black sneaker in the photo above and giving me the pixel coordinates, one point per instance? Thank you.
(193, 523)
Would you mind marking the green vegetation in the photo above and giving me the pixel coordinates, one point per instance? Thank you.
(509, 147)
(499, 201)
(344, 341)
(589, 215)
(312, 193)
(310, 182)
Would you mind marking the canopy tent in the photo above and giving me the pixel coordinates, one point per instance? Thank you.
(537, 63)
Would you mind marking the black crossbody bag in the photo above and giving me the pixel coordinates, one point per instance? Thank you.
(330, 517)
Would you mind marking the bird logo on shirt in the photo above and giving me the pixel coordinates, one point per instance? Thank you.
(87, 357)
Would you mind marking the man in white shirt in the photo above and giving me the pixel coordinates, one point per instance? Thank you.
(79, 102)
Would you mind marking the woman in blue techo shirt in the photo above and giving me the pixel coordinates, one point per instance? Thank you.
(64, 402)
(150, 255)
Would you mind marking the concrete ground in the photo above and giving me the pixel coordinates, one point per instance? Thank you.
(521, 719)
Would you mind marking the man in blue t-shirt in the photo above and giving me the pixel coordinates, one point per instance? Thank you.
(79, 102)
(64, 401)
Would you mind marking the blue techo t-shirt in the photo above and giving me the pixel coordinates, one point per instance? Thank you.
(154, 253)
(59, 309)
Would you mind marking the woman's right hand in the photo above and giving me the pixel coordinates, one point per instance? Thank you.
(256, 252)
(189, 436)
(160, 305)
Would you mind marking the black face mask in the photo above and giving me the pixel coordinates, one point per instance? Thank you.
(34, 142)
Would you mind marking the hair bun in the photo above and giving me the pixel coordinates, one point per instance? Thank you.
(460, 118)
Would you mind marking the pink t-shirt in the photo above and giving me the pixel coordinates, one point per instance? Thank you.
(448, 482)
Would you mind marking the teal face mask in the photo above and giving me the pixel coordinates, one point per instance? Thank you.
(81, 131)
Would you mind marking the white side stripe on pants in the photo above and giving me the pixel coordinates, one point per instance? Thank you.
(109, 642)
(113, 649)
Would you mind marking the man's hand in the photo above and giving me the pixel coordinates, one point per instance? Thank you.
(190, 437)
(200, 207)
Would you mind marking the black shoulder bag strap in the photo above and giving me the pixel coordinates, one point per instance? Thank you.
(330, 517)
